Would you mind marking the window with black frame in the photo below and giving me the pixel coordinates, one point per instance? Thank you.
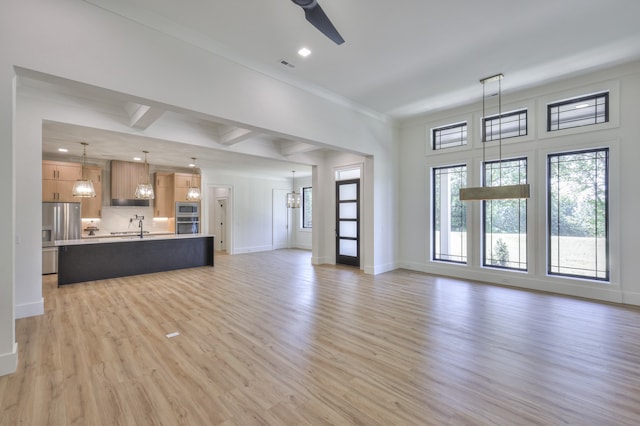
(449, 224)
(505, 220)
(449, 136)
(306, 207)
(578, 112)
(504, 126)
(578, 214)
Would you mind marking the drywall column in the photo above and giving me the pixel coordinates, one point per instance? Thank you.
(8, 345)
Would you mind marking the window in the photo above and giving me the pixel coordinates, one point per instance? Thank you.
(578, 214)
(508, 125)
(583, 111)
(449, 214)
(449, 136)
(306, 207)
(505, 221)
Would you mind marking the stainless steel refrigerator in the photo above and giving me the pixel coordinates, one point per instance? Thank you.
(60, 221)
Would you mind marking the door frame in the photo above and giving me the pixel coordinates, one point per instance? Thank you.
(343, 259)
(212, 201)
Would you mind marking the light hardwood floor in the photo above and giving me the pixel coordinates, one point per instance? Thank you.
(267, 338)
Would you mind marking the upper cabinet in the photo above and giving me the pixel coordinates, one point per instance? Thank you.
(164, 205)
(184, 181)
(58, 179)
(92, 207)
(171, 188)
(125, 177)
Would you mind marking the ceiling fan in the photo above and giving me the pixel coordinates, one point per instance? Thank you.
(316, 16)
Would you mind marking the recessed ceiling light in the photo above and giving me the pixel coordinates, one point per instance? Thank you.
(63, 150)
(304, 52)
(137, 159)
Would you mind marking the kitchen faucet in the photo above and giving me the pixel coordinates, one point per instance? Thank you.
(139, 219)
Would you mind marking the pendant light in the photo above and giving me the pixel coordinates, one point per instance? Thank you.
(293, 198)
(83, 187)
(500, 192)
(193, 194)
(145, 190)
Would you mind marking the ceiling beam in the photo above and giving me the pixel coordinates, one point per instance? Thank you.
(230, 135)
(142, 116)
(290, 148)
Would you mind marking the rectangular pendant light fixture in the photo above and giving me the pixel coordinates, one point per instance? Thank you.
(501, 192)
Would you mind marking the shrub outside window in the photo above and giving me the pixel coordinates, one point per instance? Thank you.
(505, 221)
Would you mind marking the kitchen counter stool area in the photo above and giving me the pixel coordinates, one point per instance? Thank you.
(80, 261)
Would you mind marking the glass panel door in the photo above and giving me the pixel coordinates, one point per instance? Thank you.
(348, 222)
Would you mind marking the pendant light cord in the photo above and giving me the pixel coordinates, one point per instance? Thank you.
(500, 130)
(484, 138)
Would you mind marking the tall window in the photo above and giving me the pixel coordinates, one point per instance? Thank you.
(505, 221)
(507, 125)
(449, 136)
(576, 112)
(449, 214)
(578, 214)
(306, 207)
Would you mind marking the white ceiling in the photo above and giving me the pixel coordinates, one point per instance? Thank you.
(400, 58)
(404, 57)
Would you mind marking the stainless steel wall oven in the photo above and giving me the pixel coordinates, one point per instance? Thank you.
(187, 218)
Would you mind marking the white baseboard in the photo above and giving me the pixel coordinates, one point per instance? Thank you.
(379, 269)
(607, 293)
(315, 260)
(631, 298)
(9, 361)
(30, 309)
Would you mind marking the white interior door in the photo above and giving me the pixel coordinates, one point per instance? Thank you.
(281, 220)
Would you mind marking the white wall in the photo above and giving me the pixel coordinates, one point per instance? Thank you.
(620, 134)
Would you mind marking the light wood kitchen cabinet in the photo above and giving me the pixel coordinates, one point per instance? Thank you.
(58, 179)
(164, 204)
(125, 177)
(183, 181)
(92, 207)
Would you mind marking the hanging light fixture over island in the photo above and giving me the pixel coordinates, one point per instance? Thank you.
(194, 193)
(83, 188)
(500, 192)
(144, 190)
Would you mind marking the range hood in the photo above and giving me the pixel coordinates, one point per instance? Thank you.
(125, 176)
(129, 202)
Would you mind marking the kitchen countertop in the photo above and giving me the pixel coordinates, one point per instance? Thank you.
(128, 238)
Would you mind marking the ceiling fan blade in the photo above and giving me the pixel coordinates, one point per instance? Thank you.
(316, 16)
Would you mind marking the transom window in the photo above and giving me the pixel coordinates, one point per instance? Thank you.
(505, 221)
(449, 231)
(449, 136)
(507, 125)
(577, 112)
(578, 214)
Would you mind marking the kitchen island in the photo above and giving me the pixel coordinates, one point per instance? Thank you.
(101, 258)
